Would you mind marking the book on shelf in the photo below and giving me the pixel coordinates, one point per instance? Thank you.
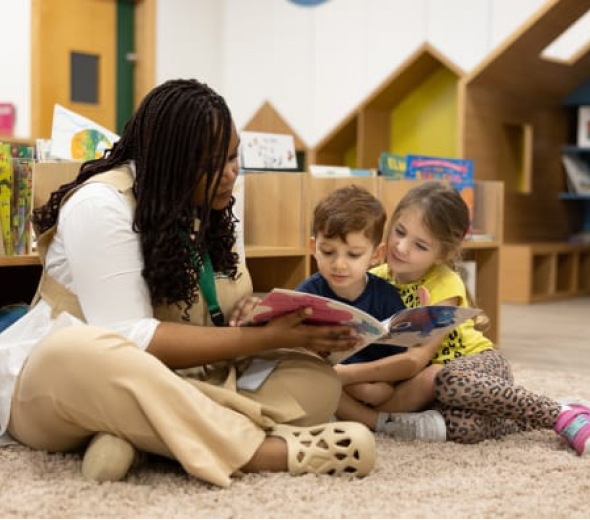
(409, 327)
(267, 151)
(392, 165)
(577, 173)
(329, 171)
(584, 126)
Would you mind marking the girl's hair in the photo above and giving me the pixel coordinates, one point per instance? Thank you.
(446, 216)
(178, 139)
(349, 209)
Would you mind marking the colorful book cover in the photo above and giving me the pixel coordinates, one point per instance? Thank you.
(407, 328)
(22, 198)
(392, 165)
(77, 138)
(6, 196)
(459, 172)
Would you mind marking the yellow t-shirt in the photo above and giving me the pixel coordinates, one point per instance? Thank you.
(442, 284)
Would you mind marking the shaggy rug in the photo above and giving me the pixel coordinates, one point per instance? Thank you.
(529, 475)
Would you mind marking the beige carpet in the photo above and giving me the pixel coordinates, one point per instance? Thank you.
(529, 475)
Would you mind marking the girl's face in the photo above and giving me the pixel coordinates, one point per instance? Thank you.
(411, 249)
(344, 264)
(229, 174)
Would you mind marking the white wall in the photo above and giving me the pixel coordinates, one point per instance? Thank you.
(316, 64)
(15, 61)
(313, 64)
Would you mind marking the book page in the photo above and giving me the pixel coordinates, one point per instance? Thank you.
(416, 326)
(325, 311)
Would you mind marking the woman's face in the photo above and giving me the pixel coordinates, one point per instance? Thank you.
(229, 174)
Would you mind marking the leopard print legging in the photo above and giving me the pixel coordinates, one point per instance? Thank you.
(479, 400)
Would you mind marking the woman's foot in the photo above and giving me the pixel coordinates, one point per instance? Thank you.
(108, 458)
(335, 448)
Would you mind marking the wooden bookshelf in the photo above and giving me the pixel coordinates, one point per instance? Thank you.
(423, 87)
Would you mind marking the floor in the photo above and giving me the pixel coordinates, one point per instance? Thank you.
(548, 336)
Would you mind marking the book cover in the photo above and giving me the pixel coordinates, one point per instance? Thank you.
(267, 151)
(407, 328)
(459, 172)
(392, 165)
(6, 196)
(578, 174)
(77, 138)
(584, 126)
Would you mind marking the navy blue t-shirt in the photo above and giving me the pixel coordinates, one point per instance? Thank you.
(380, 299)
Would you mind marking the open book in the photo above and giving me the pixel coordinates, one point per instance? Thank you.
(406, 328)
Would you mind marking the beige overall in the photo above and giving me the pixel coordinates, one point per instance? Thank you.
(82, 380)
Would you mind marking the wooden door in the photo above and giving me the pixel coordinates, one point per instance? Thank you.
(74, 59)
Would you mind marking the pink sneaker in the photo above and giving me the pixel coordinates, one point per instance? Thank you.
(574, 426)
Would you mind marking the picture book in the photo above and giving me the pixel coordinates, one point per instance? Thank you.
(410, 327)
(392, 165)
(459, 173)
(77, 138)
(267, 151)
(578, 174)
(6, 196)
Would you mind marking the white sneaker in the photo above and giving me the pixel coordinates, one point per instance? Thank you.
(424, 426)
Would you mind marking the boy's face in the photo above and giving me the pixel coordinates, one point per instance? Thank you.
(344, 264)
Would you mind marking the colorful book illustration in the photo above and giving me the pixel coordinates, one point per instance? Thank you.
(407, 328)
(392, 165)
(267, 151)
(75, 137)
(6, 196)
(459, 173)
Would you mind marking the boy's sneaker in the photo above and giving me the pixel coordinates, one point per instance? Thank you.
(573, 425)
(424, 426)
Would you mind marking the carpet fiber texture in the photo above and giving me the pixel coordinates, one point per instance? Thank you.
(528, 475)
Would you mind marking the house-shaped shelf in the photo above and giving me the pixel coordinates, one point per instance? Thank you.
(414, 110)
(514, 123)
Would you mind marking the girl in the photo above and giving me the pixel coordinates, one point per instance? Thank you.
(473, 384)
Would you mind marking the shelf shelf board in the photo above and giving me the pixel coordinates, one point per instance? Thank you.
(574, 196)
(18, 260)
(273, 251)
(572, 148)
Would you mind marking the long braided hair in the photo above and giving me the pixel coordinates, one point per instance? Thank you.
(179, 139)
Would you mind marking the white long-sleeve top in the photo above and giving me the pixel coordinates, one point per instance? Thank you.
(96, 254)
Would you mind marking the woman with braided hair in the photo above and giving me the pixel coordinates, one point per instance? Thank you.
(126, 347)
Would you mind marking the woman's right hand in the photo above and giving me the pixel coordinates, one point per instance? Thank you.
(291, 332)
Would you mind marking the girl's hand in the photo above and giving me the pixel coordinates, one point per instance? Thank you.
(290, 332)
(242, 309)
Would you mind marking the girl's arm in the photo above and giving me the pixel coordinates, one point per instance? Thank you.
(391, 369)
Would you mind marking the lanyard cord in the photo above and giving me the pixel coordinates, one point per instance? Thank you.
(206, 282)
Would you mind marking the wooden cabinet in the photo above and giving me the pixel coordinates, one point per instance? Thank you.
(276, 224)
(414, 110)
(277, 215)
(544, 271)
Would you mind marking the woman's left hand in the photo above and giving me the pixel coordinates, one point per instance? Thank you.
(242, 309)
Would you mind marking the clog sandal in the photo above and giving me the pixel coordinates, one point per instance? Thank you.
(336, 448)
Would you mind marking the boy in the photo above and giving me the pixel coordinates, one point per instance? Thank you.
(347, 233)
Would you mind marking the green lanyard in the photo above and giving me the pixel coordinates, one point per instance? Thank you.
(206, 282)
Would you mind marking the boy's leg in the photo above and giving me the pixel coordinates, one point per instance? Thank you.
(413, 395)
(372, 394)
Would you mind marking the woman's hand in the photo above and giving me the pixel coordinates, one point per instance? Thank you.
(242, 309)
(290, 332)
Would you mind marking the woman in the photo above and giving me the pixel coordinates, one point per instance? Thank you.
(136, 251)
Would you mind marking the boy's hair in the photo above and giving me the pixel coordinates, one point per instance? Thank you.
(446, 216)
(347, 210)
